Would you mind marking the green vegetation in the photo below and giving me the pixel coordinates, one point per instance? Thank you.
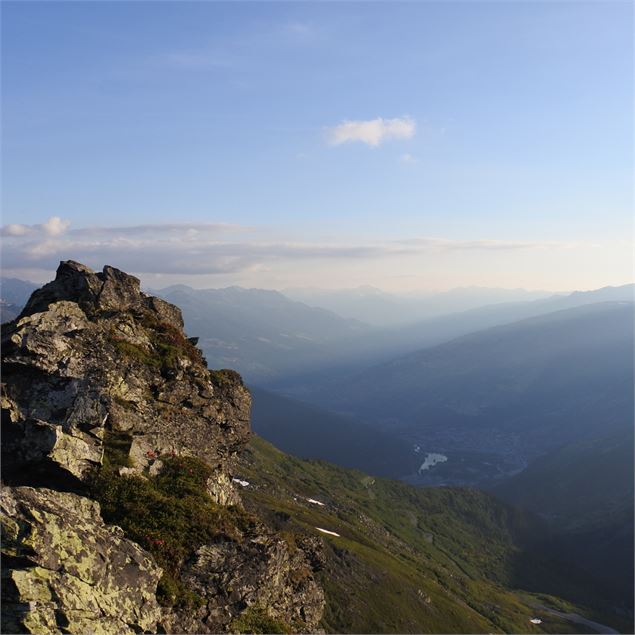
(410, 559)
(220, 377)
(171, 515)
(168, 344)
(256, 620)
(116, 449)
(132, 351)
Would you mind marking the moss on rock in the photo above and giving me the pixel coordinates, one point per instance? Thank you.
(170, 515)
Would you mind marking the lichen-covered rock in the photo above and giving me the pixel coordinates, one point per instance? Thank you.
(91, 353)
(263, 571)
(94, 369)
(64, 571)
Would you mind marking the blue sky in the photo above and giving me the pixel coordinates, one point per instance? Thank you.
(487, 143)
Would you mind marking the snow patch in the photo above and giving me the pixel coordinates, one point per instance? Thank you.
(315, 502)
(535, 620)
(326, 531)
(432, 458)
(240, 482)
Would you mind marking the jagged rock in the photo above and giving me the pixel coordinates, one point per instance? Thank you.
(92, 360)
(221, 489)
(262, 570)
(66, 572)
(313, 548)
(91, 353)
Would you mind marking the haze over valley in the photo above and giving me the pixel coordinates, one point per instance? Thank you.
(511, 397)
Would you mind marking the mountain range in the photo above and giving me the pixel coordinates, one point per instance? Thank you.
(14, 294)
(504, 395)
(135, 500)
(384, 345)
(282, 344)
(261, 333)
(384, 309)
(535, 404)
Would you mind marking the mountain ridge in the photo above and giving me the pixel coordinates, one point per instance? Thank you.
(126, 462)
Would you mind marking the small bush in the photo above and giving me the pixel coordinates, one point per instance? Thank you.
(128, 349)
(219, 377)
(256, 620)
(168, 343)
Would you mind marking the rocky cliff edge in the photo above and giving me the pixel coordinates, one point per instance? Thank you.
(102, 388)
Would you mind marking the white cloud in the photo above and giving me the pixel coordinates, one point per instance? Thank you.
(15, 230)
(408, 158)
(166, 230)
(372, 132)
(54, 226)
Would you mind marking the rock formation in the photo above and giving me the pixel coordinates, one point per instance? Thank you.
(68, 572)
(92, 360)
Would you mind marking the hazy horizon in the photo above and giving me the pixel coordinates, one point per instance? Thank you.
(159, 282)
(415, 146)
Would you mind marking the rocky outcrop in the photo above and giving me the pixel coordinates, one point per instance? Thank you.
(91, 353)
(65, 571)
(261, 571)
(90, 361)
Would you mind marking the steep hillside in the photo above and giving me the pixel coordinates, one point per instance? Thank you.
(310, 432)
(585, 492)
(405, 559)
(579, 483)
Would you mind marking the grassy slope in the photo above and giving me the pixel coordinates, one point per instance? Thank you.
(328, 436)
(579, 485)
(407, 559)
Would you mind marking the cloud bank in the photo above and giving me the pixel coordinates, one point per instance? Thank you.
(372, 132)
(54, 226)
(201, 249)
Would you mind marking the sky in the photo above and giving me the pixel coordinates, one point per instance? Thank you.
(408, 146)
